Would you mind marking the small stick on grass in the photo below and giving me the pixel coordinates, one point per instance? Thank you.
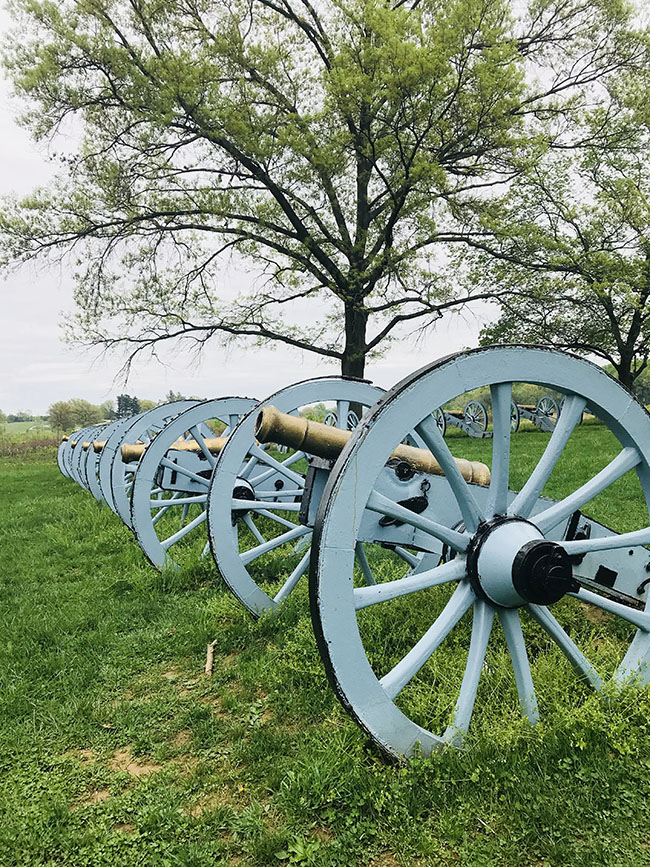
(209, 658)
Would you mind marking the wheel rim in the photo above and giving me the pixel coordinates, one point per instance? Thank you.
(169, 533)
(476, 414)
(142, 429)
(93, 458)
(373, 690)
(548, 407)
(244, 565)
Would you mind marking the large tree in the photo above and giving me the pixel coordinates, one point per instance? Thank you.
(570, 244)
(331, 146)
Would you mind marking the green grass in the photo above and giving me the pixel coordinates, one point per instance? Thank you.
(115, 748)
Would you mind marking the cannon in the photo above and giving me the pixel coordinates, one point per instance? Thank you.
(544, 414)
(506, 556)
(429, 592)
(473, 420)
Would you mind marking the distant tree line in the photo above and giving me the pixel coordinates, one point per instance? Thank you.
(76, 412)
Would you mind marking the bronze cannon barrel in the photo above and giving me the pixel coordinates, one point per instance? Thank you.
(133, 452)
(326, 441)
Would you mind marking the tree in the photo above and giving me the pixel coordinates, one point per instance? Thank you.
(74, 413)
(332, 148)
(107, 409)
(84, 413)
(146, 404)
(3, 417)
(127, 405)
(570, 245)
(60, 414)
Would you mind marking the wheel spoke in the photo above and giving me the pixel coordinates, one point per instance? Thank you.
(342, 410)
(184, 531)
(576, 657)
(247, 557)
(177, 501)
(198, 439)
(277, 518)
(293, 579)
(469, 509)
(165, 462)
(517, 646)
(481, 629)
(293, 492)
(276, 465)
(379, 503)
(454, 570)
(362, 560)
(622, 463)
(166, 506)
(251, 526)
(497, 502)
(256, 505)
(397, 678)
(608, 543)
(248, 469)
(632, 615)
(523, 503)
(411, 559)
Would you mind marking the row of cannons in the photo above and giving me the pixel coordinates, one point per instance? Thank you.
(474, 418)
(410, 555)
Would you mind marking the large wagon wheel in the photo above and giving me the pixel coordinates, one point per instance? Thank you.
(143, 428)
(475, 413)
(441, 420)
(258, 541)
(60, 456)
(110, 447)
(170, 486)
(547, 406)
(65, 453)
(93, 458)
(425, 692)
(74, 451)
(515, 417)
(78, 459)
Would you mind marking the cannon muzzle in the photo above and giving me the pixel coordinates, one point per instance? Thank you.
(325, 441)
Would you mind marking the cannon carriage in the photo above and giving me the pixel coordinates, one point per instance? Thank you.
(401, 537)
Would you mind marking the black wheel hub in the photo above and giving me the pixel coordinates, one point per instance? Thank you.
(542, 572)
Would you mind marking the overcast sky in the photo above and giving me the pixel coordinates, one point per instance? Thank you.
(37, 367)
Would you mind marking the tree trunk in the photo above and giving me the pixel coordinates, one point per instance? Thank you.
(624, 371)
(353, 362)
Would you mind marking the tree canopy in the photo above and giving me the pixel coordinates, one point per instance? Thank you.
(331, 147)
(570, 245)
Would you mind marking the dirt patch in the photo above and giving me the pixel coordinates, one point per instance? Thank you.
(96, 797)
(182, 738)
(595, 615)
(124, 828)
(86, 756)
(386, 859)
(123, 761)
(209, 802)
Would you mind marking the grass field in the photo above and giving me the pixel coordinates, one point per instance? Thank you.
(116, 749)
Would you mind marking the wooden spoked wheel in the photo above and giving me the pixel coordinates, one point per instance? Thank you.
(515, 417)
(143, 428)
(548, 407)
(414, 660)
(475, 413)
(259, 543)
(170, 487)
